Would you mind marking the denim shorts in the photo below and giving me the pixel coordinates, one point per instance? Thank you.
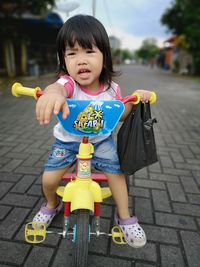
(104, 159)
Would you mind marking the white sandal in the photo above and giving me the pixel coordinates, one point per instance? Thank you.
(45, 215)
(133, 232)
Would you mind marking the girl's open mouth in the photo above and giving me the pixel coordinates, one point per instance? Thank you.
(84, 73)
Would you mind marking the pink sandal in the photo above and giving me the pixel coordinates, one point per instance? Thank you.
(133, 232)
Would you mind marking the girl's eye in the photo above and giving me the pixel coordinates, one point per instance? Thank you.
(70, 54)
(90, 51)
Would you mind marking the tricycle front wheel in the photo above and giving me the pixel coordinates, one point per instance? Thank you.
(81, 239)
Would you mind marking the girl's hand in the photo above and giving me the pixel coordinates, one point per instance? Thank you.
(49, 103)
(144, 95)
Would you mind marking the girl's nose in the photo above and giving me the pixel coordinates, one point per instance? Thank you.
(82, 60)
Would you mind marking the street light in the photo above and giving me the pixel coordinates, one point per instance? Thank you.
(67, 6)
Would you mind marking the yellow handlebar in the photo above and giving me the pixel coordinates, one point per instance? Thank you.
(18, 89)
(153, 98)
(137, 95)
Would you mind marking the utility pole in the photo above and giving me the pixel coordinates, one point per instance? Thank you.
(93, 8)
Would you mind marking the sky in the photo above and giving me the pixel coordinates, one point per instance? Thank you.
(131, 21)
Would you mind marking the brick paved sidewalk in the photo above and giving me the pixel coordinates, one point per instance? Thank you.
(165, 196)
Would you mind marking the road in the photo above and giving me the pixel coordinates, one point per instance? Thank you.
(164, 196)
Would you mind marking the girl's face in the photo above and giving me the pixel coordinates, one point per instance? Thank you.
(84, 65)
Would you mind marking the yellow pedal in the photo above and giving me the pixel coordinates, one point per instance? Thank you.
(35, 232)
(118, 236)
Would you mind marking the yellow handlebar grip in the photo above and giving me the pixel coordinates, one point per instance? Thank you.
(138, 98)
(153, 98)
(18, 89)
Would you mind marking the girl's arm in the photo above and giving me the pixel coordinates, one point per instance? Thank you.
(128, 108)
(51, 102)
(144, 97)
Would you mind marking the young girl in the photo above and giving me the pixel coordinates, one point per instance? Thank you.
(86, 72)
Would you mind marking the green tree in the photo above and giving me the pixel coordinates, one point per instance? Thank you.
(183, 18)
(127, 54)
(119, 55)
(8, 7)
(148, 49)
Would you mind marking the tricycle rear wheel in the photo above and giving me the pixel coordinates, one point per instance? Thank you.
(82, 239)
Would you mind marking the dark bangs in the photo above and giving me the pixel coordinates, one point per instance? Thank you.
(81, 33)
(86, 31)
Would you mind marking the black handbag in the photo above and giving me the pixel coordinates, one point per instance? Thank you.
(135, 140)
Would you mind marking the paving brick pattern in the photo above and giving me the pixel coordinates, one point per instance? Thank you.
(164, 196)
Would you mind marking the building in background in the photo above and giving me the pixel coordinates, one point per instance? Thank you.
(27, 44)
(114, 42)
(176, 55)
